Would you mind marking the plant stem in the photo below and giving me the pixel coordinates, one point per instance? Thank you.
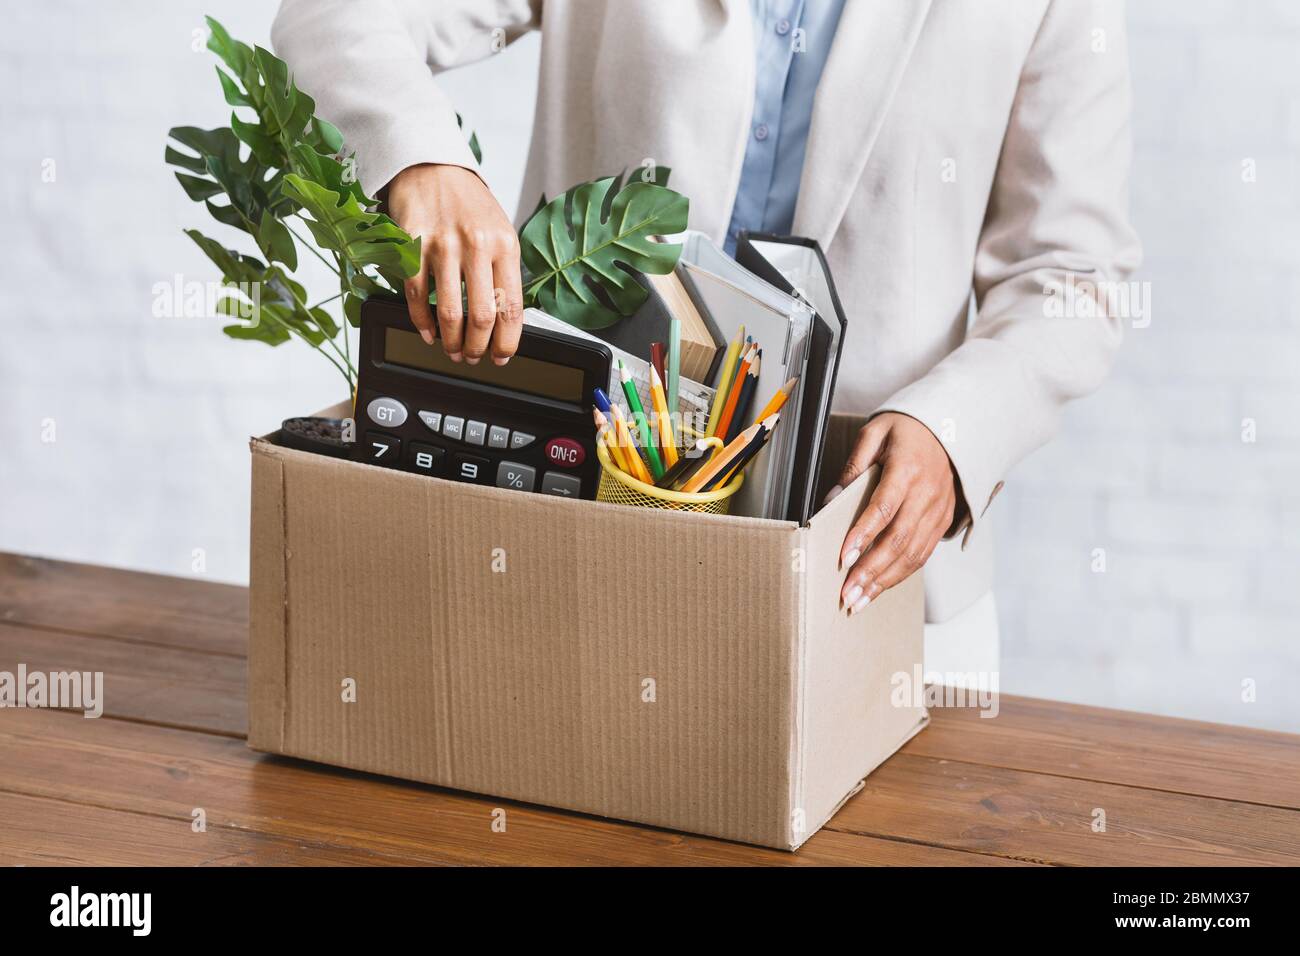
(342, 371)
(337, 295)
(340, 354)
(343, 326)
(312, 248)
(349, 373)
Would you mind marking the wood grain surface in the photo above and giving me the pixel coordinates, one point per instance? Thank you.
(1023, 788)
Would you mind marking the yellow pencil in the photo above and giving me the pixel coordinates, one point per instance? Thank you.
(638, 469)
(724, 381)
(778, 400)
(660, 405)
(606, 431)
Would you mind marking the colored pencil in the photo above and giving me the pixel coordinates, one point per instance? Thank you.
(674, 364)
(605, 430)
(667, 442)
(777, 401)
(639, 416)
(746, 398)
(657, 356)
(633, 457)
(724, 380)
(723, 458)
(697, 453)
(733, 392)
(693, 465)
(742, 460)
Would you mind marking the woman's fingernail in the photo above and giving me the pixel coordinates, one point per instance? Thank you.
(471, 359)
(853, 594)
(500, 359)
(454, 356)
(427, 336)
(830, 495)
(850, 559)
(866, 599)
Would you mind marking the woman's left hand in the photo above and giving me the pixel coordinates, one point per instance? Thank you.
(909, 512)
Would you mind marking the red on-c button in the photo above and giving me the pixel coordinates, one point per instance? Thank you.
(565, 452)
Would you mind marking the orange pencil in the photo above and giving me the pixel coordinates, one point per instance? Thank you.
(739, 343)
(733, 394)
(746, 400)
(778, 400)
(724, 457)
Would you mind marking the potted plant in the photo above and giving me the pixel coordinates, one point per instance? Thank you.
(281, 175)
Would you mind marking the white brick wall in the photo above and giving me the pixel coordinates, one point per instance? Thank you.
(1201, 531)
(151, 415)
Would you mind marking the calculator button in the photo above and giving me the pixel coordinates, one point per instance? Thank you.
(386, 411)
(554, 483)
(453, 427)
(432, 420)
(475, 432)
(521, 439)
(511, 474)
(425, 458)
(382, 449)
(498, 437)
(565, 452)
(471, 468)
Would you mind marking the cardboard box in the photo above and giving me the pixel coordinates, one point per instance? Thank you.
(530, 647)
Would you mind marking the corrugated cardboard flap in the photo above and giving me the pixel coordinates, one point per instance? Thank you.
(636, 664)
(268, 600)
(847, 721)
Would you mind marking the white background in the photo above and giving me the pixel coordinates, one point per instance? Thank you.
(1201, 531)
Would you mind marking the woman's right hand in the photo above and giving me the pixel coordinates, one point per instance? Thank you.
(464, 232)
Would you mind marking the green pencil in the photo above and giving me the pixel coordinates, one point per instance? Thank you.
(674, 363)
(642, 423)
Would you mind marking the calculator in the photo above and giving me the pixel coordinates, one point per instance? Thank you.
(526, 425)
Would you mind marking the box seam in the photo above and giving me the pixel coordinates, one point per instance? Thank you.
(799, 687)
(922, 722)
(284, 603)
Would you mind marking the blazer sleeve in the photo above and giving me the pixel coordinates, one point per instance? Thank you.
(370, 64)
(1056, 217)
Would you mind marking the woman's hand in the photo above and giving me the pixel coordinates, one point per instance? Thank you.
(464, 232)
(909, 512)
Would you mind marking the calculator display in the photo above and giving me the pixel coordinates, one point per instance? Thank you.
(522, 374)
(523, 426)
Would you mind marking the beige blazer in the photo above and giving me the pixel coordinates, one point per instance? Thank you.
(955, 145)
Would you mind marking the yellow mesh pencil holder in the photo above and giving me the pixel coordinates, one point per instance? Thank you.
(620, 488)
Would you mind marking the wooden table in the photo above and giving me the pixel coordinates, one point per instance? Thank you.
(1019, 789)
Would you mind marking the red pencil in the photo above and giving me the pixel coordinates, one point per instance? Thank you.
(657, 353)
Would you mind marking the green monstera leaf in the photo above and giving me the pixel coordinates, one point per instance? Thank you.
(251, 189)
(270, 307)
(262, 81)
(277, 161)
(362, 238)
(579, 247)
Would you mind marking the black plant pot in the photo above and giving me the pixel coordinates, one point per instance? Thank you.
(324, 436)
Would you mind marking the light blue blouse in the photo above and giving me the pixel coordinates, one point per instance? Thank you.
(792, 39)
